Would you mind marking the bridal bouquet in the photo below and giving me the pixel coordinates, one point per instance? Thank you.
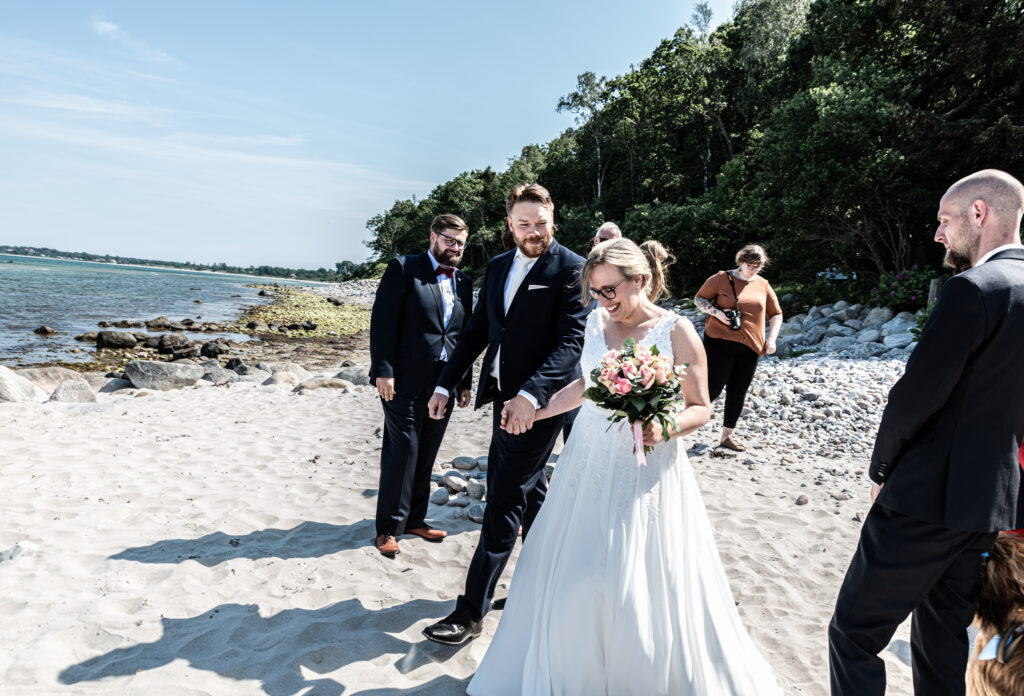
(638, 384)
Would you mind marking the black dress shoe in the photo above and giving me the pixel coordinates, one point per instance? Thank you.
(454, 629)
(499, 604)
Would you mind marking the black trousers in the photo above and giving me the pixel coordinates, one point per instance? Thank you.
(411, 440)
(905, 566)
(731, 365)
(516, 487)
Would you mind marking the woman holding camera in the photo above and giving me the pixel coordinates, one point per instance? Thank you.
(738, 302)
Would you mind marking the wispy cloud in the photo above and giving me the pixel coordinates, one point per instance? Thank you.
(82, 104)
(240, 140)
(135, 47)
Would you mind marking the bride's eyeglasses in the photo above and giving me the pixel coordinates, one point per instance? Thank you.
(607, 293)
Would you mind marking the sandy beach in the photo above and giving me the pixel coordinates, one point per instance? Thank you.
(218, 540)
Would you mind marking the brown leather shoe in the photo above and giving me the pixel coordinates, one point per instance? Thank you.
(387, 545)
(729, 443)
(427, 532)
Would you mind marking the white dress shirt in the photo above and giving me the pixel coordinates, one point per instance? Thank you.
(447, 287)
(995, 251)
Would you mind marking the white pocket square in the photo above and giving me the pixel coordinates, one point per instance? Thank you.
(537, 287)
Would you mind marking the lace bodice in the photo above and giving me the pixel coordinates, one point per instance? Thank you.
(595, 345)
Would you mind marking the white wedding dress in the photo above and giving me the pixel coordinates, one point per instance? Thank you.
(619, 589)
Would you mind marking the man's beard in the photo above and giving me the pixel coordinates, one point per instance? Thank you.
(534, 251)
(962, 258)
(446, 256)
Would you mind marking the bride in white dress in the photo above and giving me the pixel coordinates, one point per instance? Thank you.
(619, 589)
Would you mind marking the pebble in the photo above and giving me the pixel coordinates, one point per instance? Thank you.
(802, 500)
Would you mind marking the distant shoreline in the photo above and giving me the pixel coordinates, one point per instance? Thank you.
(175, 270)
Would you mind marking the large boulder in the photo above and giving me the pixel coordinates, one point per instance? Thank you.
(218, 375)
(115, 339)
(73, 392)
(16, 389)
(898, 340)
(836, 343)
(357, 374)
(790, 328)
(898, 324)
(169, 343)
(869, 335)
(213, 349)
(813, 335)
(49, 378)
(288, 378)
(159, 324)
(115, 384)
(150, 374)
(301, 373)
(877, 315)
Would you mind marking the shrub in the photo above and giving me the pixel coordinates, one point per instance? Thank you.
(903, 290)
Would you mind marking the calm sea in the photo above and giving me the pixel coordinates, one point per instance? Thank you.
(71, 296)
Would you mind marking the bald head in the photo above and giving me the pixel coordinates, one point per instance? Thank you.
(608, 230)
(992, 194)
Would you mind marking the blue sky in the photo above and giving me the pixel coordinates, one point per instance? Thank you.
(268, 133)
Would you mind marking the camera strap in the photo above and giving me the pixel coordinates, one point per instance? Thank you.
(733, 284)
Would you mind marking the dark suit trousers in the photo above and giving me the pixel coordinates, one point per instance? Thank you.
(516, 487)
(411, 440)
(903, 566)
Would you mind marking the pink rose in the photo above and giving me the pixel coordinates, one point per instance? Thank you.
(647, 377)
(624, 386)
(661, 374)
(628, 369)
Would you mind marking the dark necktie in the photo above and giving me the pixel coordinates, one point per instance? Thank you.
(445, 271)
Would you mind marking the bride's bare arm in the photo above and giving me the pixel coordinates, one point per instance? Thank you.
(565, 399)
(687, 348)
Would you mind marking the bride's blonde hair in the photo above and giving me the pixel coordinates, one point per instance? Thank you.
(648, 260)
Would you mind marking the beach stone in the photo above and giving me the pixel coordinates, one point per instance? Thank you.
(152, 374)
(440, 496)
(328, 383)
(233, 364)
(482, 463)
(840, 305)
(899, 324)
(812, 336)
(460, 501)
(869, 336)
(159, 324)
(49, 378)
(176, 326)
(464, 463)
(355, 374)
(168, 343)
(103, 324)
(301, 373)
(279, 378)
(836, 343)
(476, 489)
(218, 375)
(244, 369)
(16, 389)
(476, 512)
(454, 481)
(855, 324)
(790, 328)
(898, 340)
(213, 349)
(95, 380)
(73, 392)
(45, 331)
(802, 500)
(87, 337)
(115, 339)
(258, 325)
(115, 384)
(862, 351)
(839, 330)
(877, 315)
(185, 353)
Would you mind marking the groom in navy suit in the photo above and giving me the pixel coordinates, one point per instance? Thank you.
(529, 318)
(421, 305)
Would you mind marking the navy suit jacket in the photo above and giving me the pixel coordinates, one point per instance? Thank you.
(948, 441)
(407, 330)
(541, 337)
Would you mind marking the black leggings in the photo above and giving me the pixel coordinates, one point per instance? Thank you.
(730, 365)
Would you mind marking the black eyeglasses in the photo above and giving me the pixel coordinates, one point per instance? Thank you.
(606, 293)
(451, 241)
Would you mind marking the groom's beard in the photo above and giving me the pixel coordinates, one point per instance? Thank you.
(533, 248)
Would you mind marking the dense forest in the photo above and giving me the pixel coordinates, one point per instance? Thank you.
(826, 131)
(343, 270)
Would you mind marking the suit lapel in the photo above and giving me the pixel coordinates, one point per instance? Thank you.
(536, 270)
(431, 280)
(502, 267)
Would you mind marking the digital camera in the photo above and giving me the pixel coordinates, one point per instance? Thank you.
(733, 315)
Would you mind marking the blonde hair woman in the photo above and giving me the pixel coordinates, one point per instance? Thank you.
(621, 564)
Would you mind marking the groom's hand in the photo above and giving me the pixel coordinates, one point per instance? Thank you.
(436, 406)
(876, 488)
(519, 414)
(464, 398)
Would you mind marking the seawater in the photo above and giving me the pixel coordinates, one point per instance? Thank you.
(72, 296)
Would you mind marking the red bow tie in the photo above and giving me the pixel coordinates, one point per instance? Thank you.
(445, 271)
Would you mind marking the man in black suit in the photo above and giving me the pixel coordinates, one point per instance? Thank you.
(530, 320)
(945, 471)
(421, 305)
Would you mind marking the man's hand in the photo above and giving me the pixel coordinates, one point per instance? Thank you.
(386, 388)
(519, 415)
(876, 488)
(464, 398)
(436, 406)
(769, 347)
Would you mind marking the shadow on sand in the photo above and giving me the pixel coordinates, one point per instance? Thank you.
(307, 540)
(286, 652)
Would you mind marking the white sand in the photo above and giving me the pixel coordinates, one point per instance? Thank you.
(219, 541)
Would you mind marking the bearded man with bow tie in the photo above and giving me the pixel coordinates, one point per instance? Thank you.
(421, 305)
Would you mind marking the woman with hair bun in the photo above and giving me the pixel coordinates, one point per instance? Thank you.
(737, 302)
(620, 589)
